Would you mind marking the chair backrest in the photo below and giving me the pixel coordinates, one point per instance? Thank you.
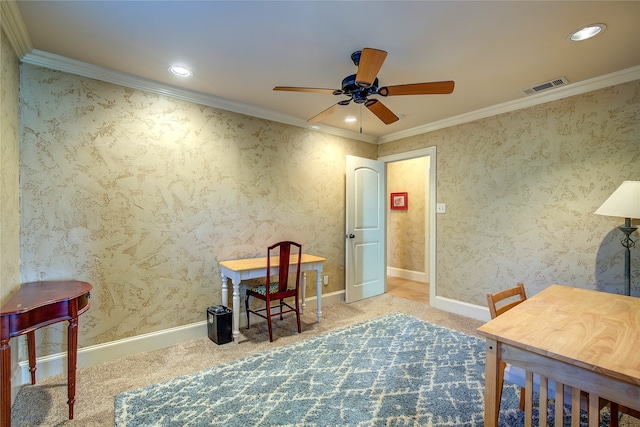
(285, 258)
(504, 300)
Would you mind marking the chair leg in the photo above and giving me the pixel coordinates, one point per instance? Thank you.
(281, 305)
(246, 308)
(269, 320)
(614, 414)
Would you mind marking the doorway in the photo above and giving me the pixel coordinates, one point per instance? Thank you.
(411, 233)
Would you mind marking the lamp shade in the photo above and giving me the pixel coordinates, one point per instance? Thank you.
(624, 202)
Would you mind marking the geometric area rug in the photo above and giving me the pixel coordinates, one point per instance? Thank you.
(394, 370)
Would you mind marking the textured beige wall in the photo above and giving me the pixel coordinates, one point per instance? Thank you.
(142, 195)
(9, 171)
(406, 228)
(521, 189)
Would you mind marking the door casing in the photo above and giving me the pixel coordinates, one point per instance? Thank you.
(430, 243)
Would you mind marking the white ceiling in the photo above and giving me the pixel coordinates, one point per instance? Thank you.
(240, 50)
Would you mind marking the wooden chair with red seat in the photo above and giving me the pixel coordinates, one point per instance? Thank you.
(285, 255)
(500, 302)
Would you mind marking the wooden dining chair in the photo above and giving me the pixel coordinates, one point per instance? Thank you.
(281, 257)
(617, 410)
(506, 299)
(500, 302)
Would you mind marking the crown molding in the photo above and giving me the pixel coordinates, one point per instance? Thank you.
(60, 63)
(619, 77)
(14, 28)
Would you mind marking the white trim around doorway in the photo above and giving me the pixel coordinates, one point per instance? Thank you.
(430, 245)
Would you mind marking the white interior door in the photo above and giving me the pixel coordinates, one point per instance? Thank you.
(365, 234)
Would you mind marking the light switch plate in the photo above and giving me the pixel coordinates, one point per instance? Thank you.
(441, 208)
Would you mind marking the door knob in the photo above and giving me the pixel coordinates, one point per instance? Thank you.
(349, 236)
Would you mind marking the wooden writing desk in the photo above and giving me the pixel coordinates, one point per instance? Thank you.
(252, 268)
(33, 306)
(584, 339)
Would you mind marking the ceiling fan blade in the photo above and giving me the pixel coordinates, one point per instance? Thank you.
(308, 89)
(433, 88)
(380, 110)
(323, 115)
(370, 63)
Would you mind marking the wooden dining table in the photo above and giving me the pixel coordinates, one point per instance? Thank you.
(583, 339)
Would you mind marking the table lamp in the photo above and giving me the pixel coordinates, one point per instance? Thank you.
(624, 203)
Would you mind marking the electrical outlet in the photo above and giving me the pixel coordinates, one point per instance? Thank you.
(326, 280)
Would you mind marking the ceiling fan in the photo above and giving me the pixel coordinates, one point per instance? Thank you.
(358, 87)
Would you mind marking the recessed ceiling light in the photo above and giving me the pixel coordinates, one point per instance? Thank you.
(587, 32)
(181, 71)
(350, 119)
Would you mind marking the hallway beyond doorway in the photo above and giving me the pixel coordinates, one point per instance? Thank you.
(408, 289)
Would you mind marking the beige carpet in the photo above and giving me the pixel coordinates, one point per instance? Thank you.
(45, 403)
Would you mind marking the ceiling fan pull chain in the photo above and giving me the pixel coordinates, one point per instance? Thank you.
(360, 118)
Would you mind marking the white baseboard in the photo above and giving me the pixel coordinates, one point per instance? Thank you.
(418, 276)
(56, 364)
(327, 299)
(462, 308)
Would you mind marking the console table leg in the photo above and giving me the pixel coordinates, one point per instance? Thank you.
(31, 347)
(72, 356)
(5, 378)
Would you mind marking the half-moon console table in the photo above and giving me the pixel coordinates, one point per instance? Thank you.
(33, 306)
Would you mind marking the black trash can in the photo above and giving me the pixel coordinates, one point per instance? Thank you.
(219, 324)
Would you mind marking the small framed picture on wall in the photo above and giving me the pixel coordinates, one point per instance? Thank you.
(399, 201)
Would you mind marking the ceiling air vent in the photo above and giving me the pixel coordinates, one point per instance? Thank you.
(560, 81)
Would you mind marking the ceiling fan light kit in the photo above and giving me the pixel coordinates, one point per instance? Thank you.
(360, 86)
